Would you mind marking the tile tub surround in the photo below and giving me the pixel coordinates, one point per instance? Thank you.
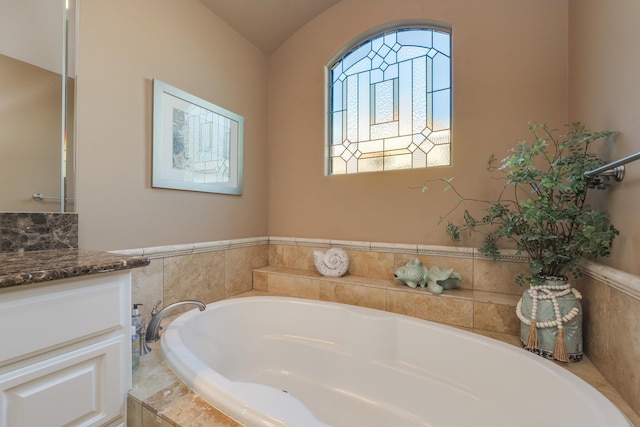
(34, 231)
(611, 298)
(208, 271)
(486, 301)
(25, 268)
(160, 399)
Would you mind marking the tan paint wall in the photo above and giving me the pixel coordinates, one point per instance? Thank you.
(123, 46)
(509, 67)
(604, 93)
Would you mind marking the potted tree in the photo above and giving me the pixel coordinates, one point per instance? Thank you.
(542, 210)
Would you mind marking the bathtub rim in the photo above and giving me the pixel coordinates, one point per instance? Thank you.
(196, 373)
(254, 416)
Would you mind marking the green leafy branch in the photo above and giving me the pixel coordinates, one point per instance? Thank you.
(541, 206)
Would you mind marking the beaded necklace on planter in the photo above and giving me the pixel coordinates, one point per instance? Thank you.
(552, 293)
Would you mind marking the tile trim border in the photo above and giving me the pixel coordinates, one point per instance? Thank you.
(617, 279)
(157, 252)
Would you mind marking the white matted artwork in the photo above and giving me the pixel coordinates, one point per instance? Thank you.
(197, 146)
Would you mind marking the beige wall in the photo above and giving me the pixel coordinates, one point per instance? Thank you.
(123, 46)
(506, 72)
(509, 67)
(604, 94)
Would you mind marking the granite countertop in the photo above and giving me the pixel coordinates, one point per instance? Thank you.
(23, 268)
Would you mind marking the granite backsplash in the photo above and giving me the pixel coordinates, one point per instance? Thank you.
(36, 231)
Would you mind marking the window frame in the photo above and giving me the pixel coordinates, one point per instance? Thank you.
(353, 46)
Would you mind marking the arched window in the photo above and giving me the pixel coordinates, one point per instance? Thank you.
(390, 103)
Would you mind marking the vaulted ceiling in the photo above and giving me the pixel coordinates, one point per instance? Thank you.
(267, 23)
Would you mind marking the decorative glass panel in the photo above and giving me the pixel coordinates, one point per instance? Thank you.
(390, 103)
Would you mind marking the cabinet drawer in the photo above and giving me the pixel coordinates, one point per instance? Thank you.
(38, 319)
(82, 387)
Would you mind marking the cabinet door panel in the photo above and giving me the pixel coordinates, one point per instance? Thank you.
(79, 388)
(41, 319)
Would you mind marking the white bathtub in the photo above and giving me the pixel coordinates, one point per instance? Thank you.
(275, 361)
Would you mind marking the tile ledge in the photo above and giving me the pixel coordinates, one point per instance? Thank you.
(352, 280)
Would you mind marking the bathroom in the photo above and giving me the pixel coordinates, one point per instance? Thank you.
(513, 61)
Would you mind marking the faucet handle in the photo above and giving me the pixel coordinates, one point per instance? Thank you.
(154, 310)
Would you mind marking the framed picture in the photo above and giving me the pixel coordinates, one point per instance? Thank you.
(197, 146)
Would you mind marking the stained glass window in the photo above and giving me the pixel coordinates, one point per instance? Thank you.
(390, 103)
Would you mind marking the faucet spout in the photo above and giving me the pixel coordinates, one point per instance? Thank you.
(153, 330)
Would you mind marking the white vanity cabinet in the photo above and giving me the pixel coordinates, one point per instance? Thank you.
(65, 352)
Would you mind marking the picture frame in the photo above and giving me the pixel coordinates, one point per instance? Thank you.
(197, 145)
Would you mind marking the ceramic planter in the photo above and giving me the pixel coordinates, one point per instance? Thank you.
(551, 320)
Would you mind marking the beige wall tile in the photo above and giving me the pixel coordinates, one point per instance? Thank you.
(438, 308)
(134, 412)
(197, 276)
(595, 323)
(260, 280)
(624, 346)
(239, 265)
(147, 286)
(298, 257)
(295, 286)
(495, 317)
(497, 276)
(371, 264)
(364, 296)
(276, 255)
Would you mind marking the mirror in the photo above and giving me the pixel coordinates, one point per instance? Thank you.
(37, 93)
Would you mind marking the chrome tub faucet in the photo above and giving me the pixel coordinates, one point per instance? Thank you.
(153, 329)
